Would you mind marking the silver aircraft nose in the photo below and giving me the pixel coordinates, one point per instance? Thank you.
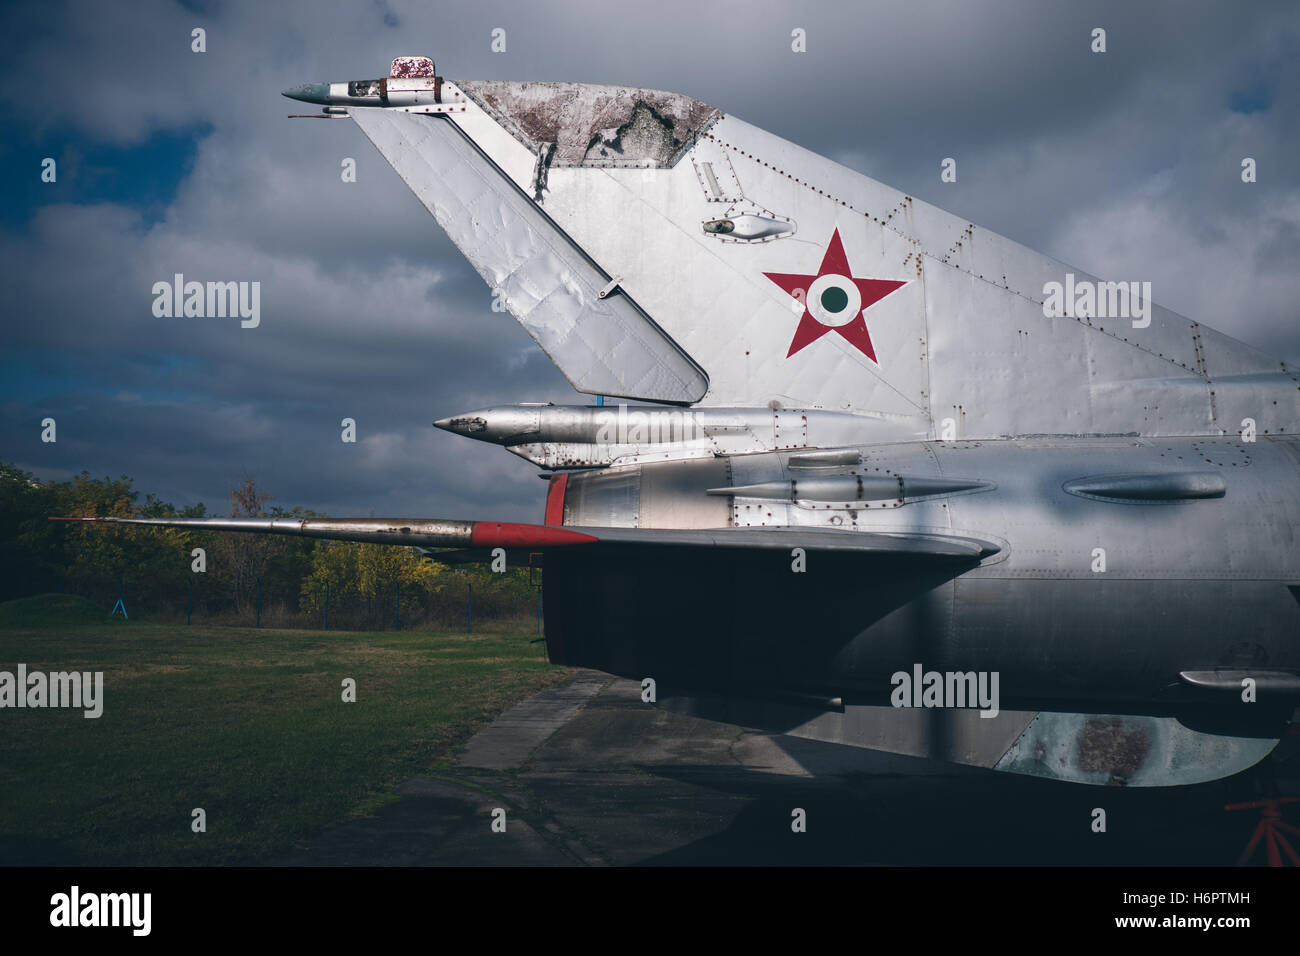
(309, 93)
(472, 425)
(502, 425)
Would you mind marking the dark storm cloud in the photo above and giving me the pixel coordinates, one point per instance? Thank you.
(1125, 164)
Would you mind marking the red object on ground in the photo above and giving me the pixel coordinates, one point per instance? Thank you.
(1269, 831)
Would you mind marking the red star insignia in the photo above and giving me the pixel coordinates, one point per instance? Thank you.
(833, 300)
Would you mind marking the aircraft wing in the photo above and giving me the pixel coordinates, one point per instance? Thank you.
(445, 533)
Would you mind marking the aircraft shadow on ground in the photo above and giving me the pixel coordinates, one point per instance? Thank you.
(968, 818)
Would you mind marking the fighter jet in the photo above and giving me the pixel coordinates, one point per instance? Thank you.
(869, 473)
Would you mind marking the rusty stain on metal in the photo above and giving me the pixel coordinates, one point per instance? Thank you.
(591, 125)
(368, 87)
(408, 66)
(545, 156)
(1110, 745)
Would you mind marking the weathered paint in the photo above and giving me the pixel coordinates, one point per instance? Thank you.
(408, 66)
(595, 125)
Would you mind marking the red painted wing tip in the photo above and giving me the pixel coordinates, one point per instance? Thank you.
(497, 534)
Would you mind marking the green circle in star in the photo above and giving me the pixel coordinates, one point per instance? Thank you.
(834, 299)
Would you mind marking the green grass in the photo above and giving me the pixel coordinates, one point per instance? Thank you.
(247, 724)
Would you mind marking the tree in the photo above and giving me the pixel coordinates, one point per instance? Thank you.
(368, 574)
(32, 551)
(239, 560)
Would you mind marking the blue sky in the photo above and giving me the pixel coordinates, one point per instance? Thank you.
(172, 161)
(142, 175)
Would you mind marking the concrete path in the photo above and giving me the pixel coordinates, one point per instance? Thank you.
(512, 737)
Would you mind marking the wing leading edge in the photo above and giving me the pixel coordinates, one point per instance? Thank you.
(461, 534)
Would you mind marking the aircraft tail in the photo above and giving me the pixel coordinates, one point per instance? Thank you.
(660, 250)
